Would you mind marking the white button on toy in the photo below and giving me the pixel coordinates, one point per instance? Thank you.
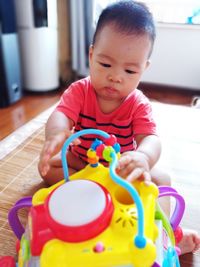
(76, 203)
(79, 210)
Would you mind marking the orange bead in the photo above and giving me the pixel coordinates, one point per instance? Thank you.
(93, 160)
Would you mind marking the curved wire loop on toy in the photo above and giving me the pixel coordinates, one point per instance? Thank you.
(69, 141)
(13, 218)
(179, 207)
(140, 240)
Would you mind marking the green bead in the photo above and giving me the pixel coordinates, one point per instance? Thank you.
(107, 152)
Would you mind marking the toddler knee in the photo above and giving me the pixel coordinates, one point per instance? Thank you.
(160, 177)
(166, 179)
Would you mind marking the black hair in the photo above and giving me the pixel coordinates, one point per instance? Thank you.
(128, 17)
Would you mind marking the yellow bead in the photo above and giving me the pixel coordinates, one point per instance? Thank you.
(91, 153)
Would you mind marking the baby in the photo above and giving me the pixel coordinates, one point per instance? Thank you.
(109, 100)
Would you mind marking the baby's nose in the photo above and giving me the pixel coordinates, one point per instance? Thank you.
(115, 78)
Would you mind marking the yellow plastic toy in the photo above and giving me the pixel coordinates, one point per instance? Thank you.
(95, 218)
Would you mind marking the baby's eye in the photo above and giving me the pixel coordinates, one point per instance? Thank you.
(130, 71)
(105, 65)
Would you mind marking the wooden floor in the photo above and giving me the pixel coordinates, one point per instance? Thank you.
(184, 158)
(19, 113)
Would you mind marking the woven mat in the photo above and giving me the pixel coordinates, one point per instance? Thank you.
(19, 177)
(19, 153)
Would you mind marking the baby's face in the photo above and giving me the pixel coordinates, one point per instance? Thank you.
(117, 62)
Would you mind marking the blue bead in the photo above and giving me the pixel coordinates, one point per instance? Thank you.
(116, 147)
(96, 143)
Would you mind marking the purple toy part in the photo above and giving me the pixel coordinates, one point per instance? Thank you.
(13, 218)
(156, 265)
(179, 207)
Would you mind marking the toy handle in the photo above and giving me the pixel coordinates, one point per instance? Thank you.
(179, 207)
(13, 218)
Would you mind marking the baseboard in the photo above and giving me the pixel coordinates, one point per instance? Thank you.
(167, 88)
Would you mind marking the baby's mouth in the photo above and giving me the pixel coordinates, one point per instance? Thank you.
(110, 90)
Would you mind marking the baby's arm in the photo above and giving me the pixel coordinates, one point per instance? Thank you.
(137, 164)
(58, 128)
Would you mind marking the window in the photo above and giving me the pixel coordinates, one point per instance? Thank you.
(175, 11)
(165, 11)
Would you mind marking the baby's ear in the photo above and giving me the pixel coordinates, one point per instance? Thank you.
(148, 62)
(91, 48)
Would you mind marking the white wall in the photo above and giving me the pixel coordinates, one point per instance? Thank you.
(176, 56)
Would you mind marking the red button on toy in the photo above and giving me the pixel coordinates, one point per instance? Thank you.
(99, 247)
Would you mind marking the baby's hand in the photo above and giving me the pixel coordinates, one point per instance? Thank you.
(51, 147)
(134, 165)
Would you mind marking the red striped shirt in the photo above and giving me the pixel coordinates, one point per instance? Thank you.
(132, 117)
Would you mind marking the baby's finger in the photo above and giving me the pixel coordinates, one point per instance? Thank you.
(123, 161)
(147, 178)
(45, 170)
(48, 148)
(76, 142)
(135, 174)
(126, 170)
(43, 167)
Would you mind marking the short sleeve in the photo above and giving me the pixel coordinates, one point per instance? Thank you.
(143, 122)
(72, 101)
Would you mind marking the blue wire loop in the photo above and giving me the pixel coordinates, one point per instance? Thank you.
(140, 240)
(70, 140)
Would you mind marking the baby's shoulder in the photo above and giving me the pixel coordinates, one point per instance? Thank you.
(79, 88)
(137, 97)
(83, 83)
